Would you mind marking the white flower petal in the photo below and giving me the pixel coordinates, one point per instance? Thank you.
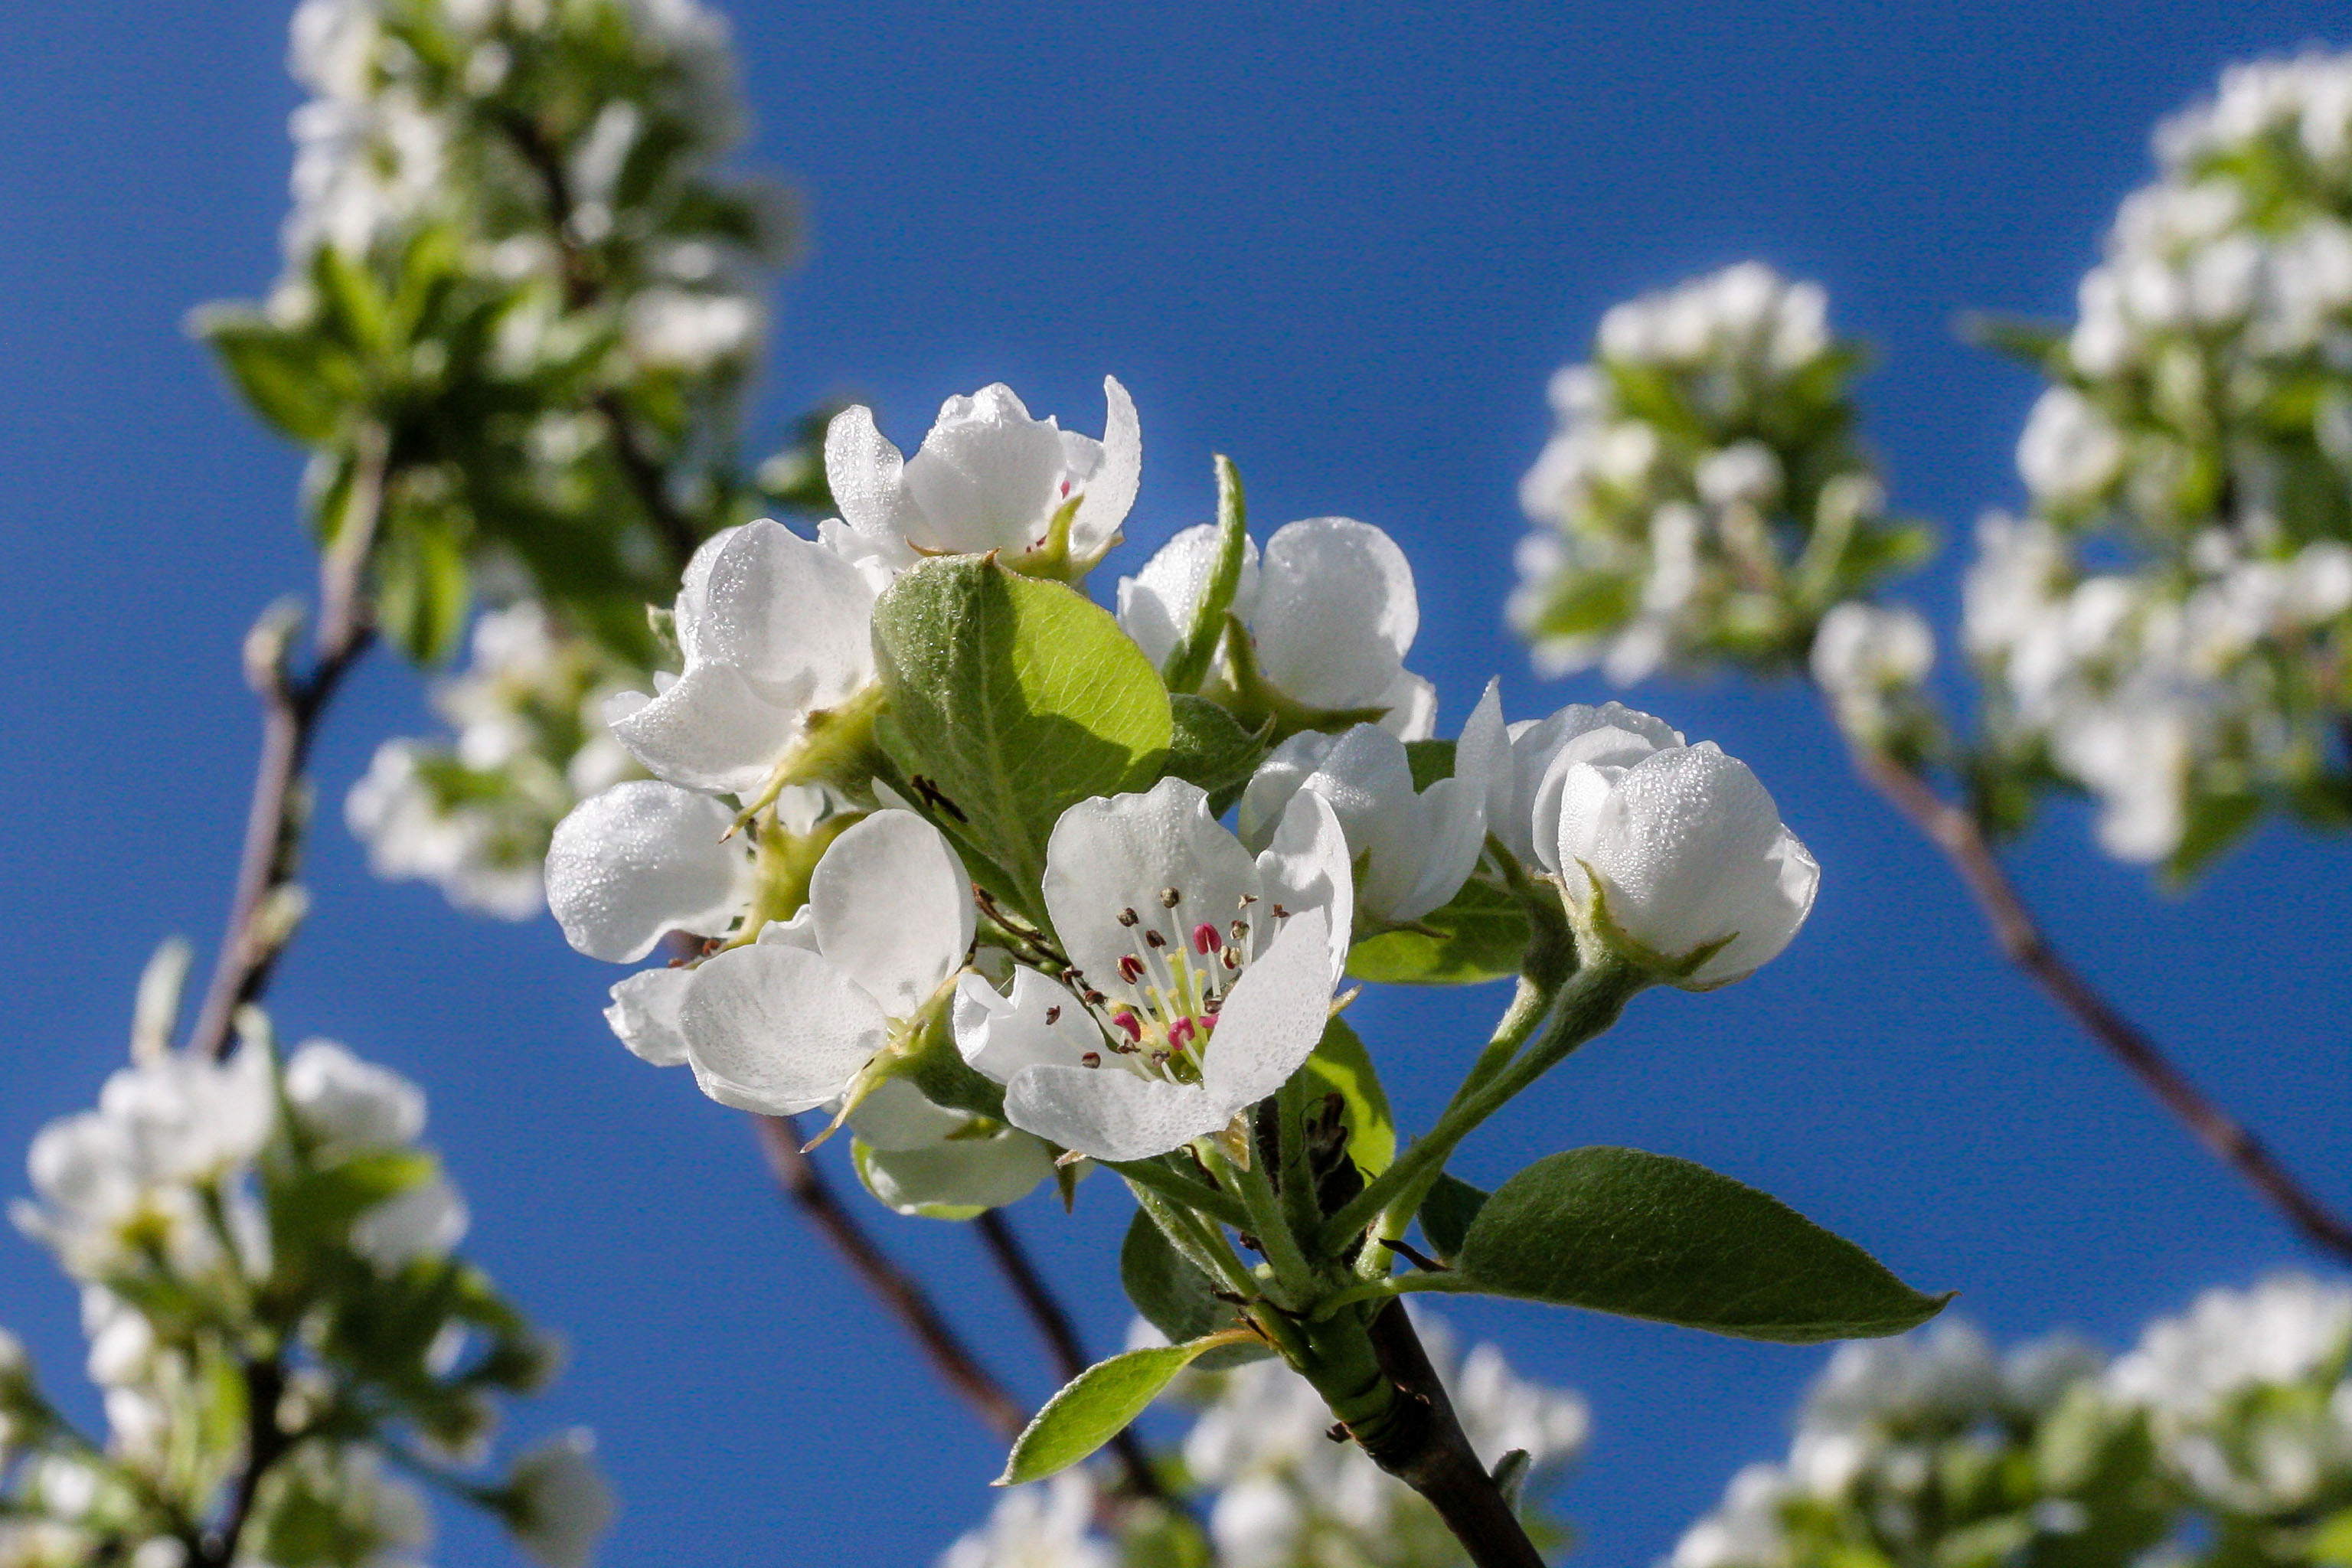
(1306, 867)
(1454, 810)
(1778, 906)
(1411, 705)
(1111, 853)
(988, 477)
(1110, 489)
(967, 1173)
(779, 1028)
(641, 859)
(710, 731)
(1108, 1113)
(866, 471)
(644, 1015)
(897, 1116)
(794, 617)
(1336, 611)
(893, 909)
(1039, 1024)
(1273, 1017)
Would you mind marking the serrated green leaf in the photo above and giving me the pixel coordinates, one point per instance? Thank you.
(1448, 1211)
(1096, 1406)
(1341, 1066)
(1012, 698)
(1174, 1297)
(1481, 934)
(1648, 1236)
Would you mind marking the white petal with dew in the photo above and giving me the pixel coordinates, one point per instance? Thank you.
(780, 1028)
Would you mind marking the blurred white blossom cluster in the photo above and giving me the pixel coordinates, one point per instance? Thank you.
(472, 814)
(2167, 629)
(1275, 1491)
(1702, 495)
(273, 1310)
(2224, 1438)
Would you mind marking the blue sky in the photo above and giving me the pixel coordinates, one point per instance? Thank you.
(1346, 250)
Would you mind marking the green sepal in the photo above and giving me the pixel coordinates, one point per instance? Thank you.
(1187, 664)
(1648, 1236)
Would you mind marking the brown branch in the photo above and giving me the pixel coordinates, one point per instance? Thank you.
(1957, 834)
(1061, 1336)
(1426, 1449)
(293, 706)
(897, 1291)
(265, 1443)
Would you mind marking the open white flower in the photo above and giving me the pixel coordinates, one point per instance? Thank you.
(562, 1505)
(987, 477)
(1697, 878)
(1203, 976)
(790, 1021)
(1331, 610)
(774, 631)
(347, 1104)
(640, 861)
(1414, 849)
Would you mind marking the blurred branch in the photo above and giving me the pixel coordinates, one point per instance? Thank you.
(1061, 1336)
(1961, 837)
(779, 1139)
(262, 914)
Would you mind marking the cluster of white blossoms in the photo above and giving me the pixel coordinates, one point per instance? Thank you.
(1276, 1492)
(1191, 967)
(209, 1210)
(1701, 495)
(2226, 1436)
(472, 816)
(2167, 630)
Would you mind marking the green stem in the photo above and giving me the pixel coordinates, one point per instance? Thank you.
(1203, 1246)
(1183, 1190)
(1588, 1006)
(1272, 1229)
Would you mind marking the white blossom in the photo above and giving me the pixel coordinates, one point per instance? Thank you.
(347, 1104)
(425, 1222)
(1045, 1525)
(1331, 610)
(1683, 853)
(642, 859)
(562, 1505)
(1204, 976)
(1414, 849)
(987, 477)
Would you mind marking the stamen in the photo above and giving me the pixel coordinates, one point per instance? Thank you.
(1053, 1015)
(1240, 930)
(1231, 957)
(1248, 898)
(1128, 1022)
(1094, 998)
(1179, 1034)
(1212, 1005)
(1170, 898)
(1205, 939)
(1128, 917)
(1130, 968)
(1091, 1059)
(1280, 913)
(1154, 939)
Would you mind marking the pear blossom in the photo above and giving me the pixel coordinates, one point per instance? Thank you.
(775, 632)
(1869, 660)
(1048, 1524)
(1523, 797)
(1201, 977)
(427, 1221)
(1414, 849)
(987, 477)
(1331, 610)
(347, 1104)
(561, 1505)
(1682, 856)
(790, 1021)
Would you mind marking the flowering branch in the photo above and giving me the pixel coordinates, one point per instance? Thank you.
(261, 914)
(1956, 832)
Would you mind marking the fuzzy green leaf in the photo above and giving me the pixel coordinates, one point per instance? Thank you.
(1211, 748)
(1448, 1211)
(1096, 1406)
(1647, 1236)
(1174, 1296)
(1481, 934)
(1013, 699)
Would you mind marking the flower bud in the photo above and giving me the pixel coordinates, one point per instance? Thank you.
(1679, 863)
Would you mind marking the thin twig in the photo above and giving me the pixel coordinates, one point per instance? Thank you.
(1957, 834)
(1061, 1336)
(265, 1443)
(897, 1290)
(293, 706)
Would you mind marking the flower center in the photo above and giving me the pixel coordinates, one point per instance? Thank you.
(1182, 961)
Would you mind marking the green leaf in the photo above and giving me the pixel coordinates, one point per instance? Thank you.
(1481, 934)
(1187, 662)
(1647, 1236)
(1174, 1297)
(299, 385)
(1429, 762)
(1012, 698)
(1209, 747)
(1096, 1406)
(424, 588)
(319, 1204)
(1341, 1066)
(1448, 1211)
